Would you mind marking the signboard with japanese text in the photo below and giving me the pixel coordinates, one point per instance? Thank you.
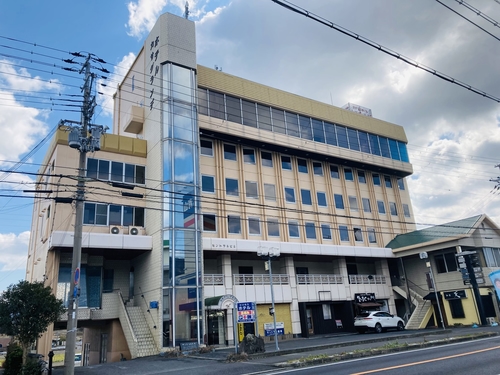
(269, 328)
(246, 312)
(364, 297)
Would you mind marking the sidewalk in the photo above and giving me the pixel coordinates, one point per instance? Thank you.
(317, 349)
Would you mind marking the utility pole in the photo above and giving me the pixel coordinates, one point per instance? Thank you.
(80, 139)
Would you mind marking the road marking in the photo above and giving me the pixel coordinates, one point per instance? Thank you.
(426, 361)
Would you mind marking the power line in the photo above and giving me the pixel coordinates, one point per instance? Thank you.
(288, 5)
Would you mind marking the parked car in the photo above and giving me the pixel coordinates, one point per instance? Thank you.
(378, 321)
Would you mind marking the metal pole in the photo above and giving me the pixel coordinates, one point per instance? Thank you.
(272, 303)
(235, 329)
(436, 294)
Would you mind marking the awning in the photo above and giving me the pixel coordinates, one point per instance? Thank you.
(432, 296)
(369, 304)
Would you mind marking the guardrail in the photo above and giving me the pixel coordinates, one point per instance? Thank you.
(240, 279)
(367, 279)
(215, 279)
(319, 279)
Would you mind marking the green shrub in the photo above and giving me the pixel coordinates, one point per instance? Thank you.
(32, 367)
(13, 360)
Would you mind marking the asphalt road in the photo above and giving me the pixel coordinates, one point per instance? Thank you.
(479, 357)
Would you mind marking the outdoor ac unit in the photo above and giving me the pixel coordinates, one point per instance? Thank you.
(115, 229)
(135, 231)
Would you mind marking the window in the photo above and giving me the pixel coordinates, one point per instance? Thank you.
(457, 309)
(273, 228)
(339, 201)
(206, 147)
(254, 225)
(366, 204)
(344, 233)
(208, 184)
(269, 192)
(358, 234)
(317, 168)
(233, 109)
(267, 159)
(393, 208)
(229, 152)
(102, 214)
(371, 235)
(232, 187)
(264, 113)
(216, 105)
(334, 171)
(233, 224)
(209, 223)
(251, 189)
(286, 163)
(310, 231)
(249, 113)
(361, 177)
(321, 196)
(348, 174)
(381, 207)
(120, 172)
(406, 210)
(401, 183)
(326, 232)
(327, 312)
(353, 203)
(446, 262)
(492, 256)
(293, 229)
(290, 195)
(249, 155)
(302, 165)
(388, 182)
(376, 179)
(305, 196)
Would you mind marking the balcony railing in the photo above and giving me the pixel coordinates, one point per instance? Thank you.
(213, 279)
(319, 279)
(260, 279)
(367, 279)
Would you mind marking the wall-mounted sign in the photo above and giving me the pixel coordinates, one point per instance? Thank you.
(455, 294)
(364, 297)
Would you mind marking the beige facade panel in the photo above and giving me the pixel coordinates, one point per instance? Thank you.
(226, 83)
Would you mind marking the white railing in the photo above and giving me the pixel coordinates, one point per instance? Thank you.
(215, 279)
(127, 328)
(319, 279)
(367, 279)
(260, 279)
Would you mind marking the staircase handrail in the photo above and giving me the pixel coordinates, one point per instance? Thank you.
(128, 323)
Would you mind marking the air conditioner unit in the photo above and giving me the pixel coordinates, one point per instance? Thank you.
(135, 231)
(115, 229)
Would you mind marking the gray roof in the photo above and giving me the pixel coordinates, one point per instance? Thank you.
(454, 229)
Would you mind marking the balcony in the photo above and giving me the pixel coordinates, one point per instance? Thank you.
(216, 279)
(263, 279)
(319, 279)
(367, 279)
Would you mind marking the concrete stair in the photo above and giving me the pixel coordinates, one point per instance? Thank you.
(420, 312)
(146, 345)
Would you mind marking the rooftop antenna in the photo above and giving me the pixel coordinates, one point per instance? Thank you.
(186, 10)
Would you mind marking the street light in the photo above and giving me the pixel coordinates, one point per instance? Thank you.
(424, 255)
(268, 254)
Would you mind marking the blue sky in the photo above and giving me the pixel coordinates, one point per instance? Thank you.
(453, 134)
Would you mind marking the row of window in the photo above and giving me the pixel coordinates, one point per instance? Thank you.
(252, 191)
(249, 157)
(116, 171)
(273, 228)
(113, 214)
(276, 120)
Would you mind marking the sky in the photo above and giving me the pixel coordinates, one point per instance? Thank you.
(453, 133)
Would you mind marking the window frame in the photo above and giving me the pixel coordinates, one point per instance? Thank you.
(211, 148)
(323, 201)
(267, 197)
(246, 154)
(381, 204)
(326, 227)
(344, 233)
(310, 229)
(361, 177)
(269, 161)
(366, 205)
(339, 201)
(206, 214)
(253, 219)
(237, 194)
(252, 185)
(229, 153)
(317, 168)
(286, 165)
(306, 197)
(302, 165)
(293, 195)
(271, 222)
(206, 176)
(233, 220)
(348, 174)
(293, 224)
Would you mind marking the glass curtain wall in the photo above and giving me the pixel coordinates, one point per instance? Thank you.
(182, 287)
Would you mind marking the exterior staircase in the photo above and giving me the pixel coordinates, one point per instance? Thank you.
(146, 345)
(420, 313)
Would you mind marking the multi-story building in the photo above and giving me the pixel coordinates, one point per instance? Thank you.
(222, 169)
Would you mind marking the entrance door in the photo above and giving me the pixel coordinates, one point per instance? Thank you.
(216, 327)
(310, 325)
(103, 356)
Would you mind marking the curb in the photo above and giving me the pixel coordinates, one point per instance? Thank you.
(380, 351)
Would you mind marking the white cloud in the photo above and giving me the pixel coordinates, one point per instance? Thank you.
(14, 251)
(114, 79)
(21, 80)
(143, 15)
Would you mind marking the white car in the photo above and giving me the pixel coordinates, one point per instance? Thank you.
(378, 321)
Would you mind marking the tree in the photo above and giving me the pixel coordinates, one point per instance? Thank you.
(26, 310)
